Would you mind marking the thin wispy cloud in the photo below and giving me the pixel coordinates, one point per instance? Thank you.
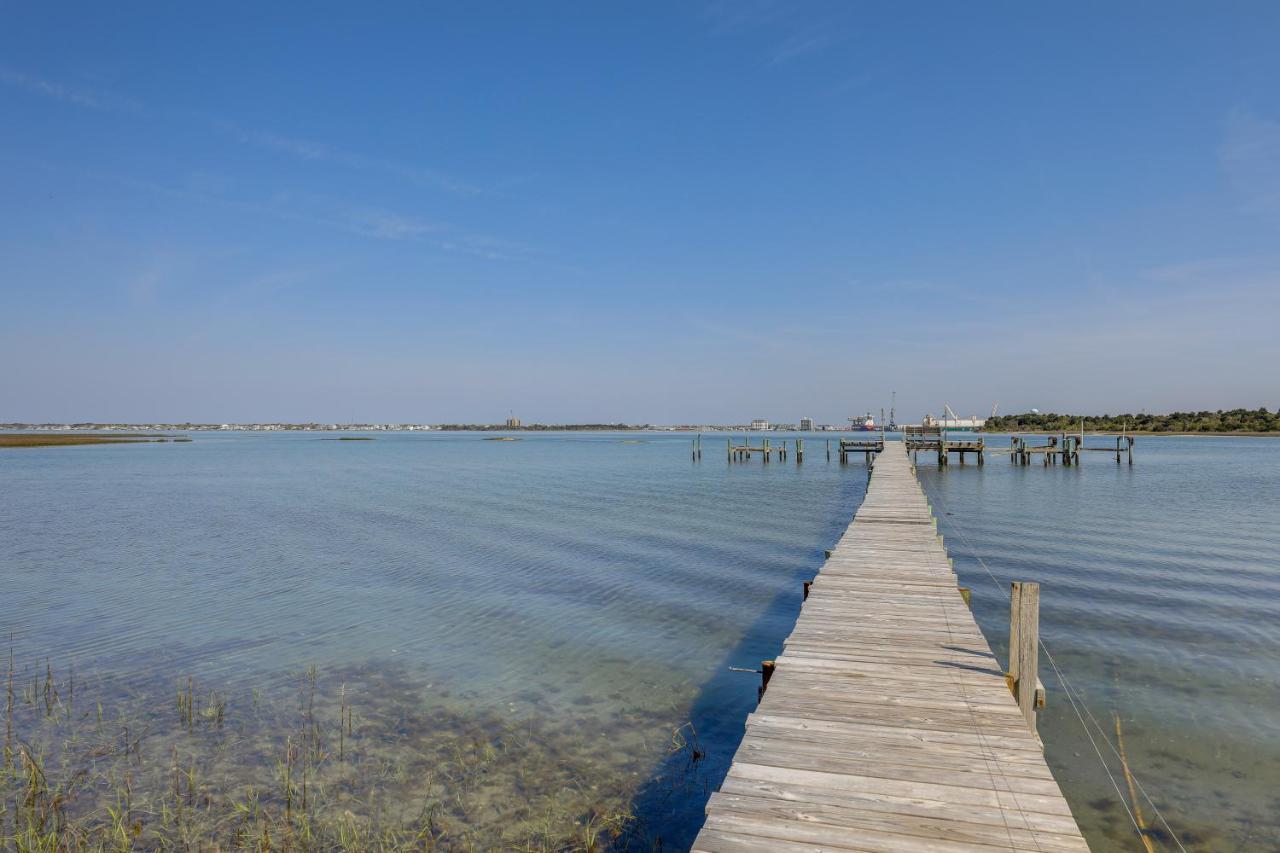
(298, 148)
(800, 45)
(295, 147)
(801, 35)
(730, 15)
(310, 150)
(379, 223)
(94, 100)
(354, 218)
(391, 226)
(1250, 158)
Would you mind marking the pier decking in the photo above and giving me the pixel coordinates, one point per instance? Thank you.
(887, 723)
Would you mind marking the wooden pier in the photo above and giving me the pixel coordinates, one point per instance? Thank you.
(887, 723)
(1065, 449)
(869, 448)
(766, 448)
(935, 439)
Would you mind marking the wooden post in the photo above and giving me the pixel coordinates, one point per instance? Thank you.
(799, 450)
(1024, 647)
(828, 450)
(1130, 450)
(766, 672)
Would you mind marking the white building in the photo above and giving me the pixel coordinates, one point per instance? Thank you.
(760, 424)
(806, 424)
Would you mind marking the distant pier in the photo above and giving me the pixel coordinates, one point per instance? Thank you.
(933, 439)
(1065, 449)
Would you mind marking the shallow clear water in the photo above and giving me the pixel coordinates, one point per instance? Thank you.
(594, 580)
(597, 587)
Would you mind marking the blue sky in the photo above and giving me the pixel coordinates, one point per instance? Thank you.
(641, 212)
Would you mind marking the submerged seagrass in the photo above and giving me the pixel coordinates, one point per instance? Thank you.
(359, 758)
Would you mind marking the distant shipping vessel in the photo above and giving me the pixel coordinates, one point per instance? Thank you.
(866, 424)
(955, 424)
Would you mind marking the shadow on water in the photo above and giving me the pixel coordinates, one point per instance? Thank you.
(669, 808)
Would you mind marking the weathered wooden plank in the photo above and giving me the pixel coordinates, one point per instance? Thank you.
(910, 806)
(961, 795)
(851, 815)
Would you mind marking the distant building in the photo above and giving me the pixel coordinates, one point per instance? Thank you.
(806, 424)
(760, 424)
(513, 422)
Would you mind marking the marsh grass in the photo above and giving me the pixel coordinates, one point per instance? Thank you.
(354, 759)
(9, 439)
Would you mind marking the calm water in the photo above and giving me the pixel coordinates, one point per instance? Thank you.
(598, 585)
(595, 589)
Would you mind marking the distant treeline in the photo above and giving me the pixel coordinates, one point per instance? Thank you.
(540, 427)
(1235, 420)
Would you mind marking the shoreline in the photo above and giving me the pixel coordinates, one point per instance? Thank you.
(1149, 434)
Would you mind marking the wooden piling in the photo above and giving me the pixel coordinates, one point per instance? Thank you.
(1024, 647)
(766, 672)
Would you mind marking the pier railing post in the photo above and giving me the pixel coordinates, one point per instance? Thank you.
(1024, 647)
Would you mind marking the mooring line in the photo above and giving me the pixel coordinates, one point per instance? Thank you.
(1069, 690)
